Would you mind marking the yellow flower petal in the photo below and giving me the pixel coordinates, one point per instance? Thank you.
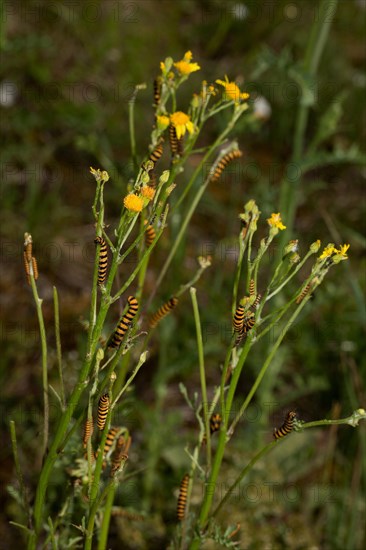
(181, 122)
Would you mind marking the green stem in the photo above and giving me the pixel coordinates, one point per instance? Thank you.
(18, 469)
(201, 362)
(104, 529)
(209, 491)
(97, 502)
(42, 332)
(58, 346)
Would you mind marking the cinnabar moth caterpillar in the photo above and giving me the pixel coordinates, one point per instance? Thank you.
(176, 145)
(153, 181)
(247, 325)
(120, 453)
(182, 498)
(103, 260)
(149, 235)
(251, 287)
(124, 323)
(164, 310)
(303, 293)
(229, 157)
(257, 300)
(112, 432)
(238, 318)
(34, 268)
(157, 90)
(28, 245)
(156, 153)
(103, 408)
(27, 268)
(88, 431)
(286, 427)
(215, 423)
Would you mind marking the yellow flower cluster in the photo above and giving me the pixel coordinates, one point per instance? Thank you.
(330, 250)
(185, 67)
(133, 203)
(275, 221)
(232, 91)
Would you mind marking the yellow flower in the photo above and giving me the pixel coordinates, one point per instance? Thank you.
(181, 123)
(162, 66)
(133, 203)
(275, 221)
(327, 252)
(148, 192)
(232, 91)
(185, 67)
(343, 250)
(163, 122)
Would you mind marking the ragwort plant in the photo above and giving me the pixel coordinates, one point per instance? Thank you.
(109, 367)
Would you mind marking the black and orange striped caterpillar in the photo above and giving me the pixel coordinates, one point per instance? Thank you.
(88, 431)
(157, 90)
(111, 435)
(303, 293)
(30, 263)
(182, 498)
(221, 165)
(103, 260)
(103, 409)
(120, 453)
(155, 155)
(238, 318)
(124, 323)
(242, 323)
(150, 234)
(286, 427)
(257, 301)
(176, 145)
(215, 423)
(164, 310)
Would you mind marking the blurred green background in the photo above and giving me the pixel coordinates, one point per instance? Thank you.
(67, 75)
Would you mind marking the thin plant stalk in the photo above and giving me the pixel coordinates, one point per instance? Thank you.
(201, 362)
(18, 469)
(104, 529)
(42, 332)
(58, 346)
